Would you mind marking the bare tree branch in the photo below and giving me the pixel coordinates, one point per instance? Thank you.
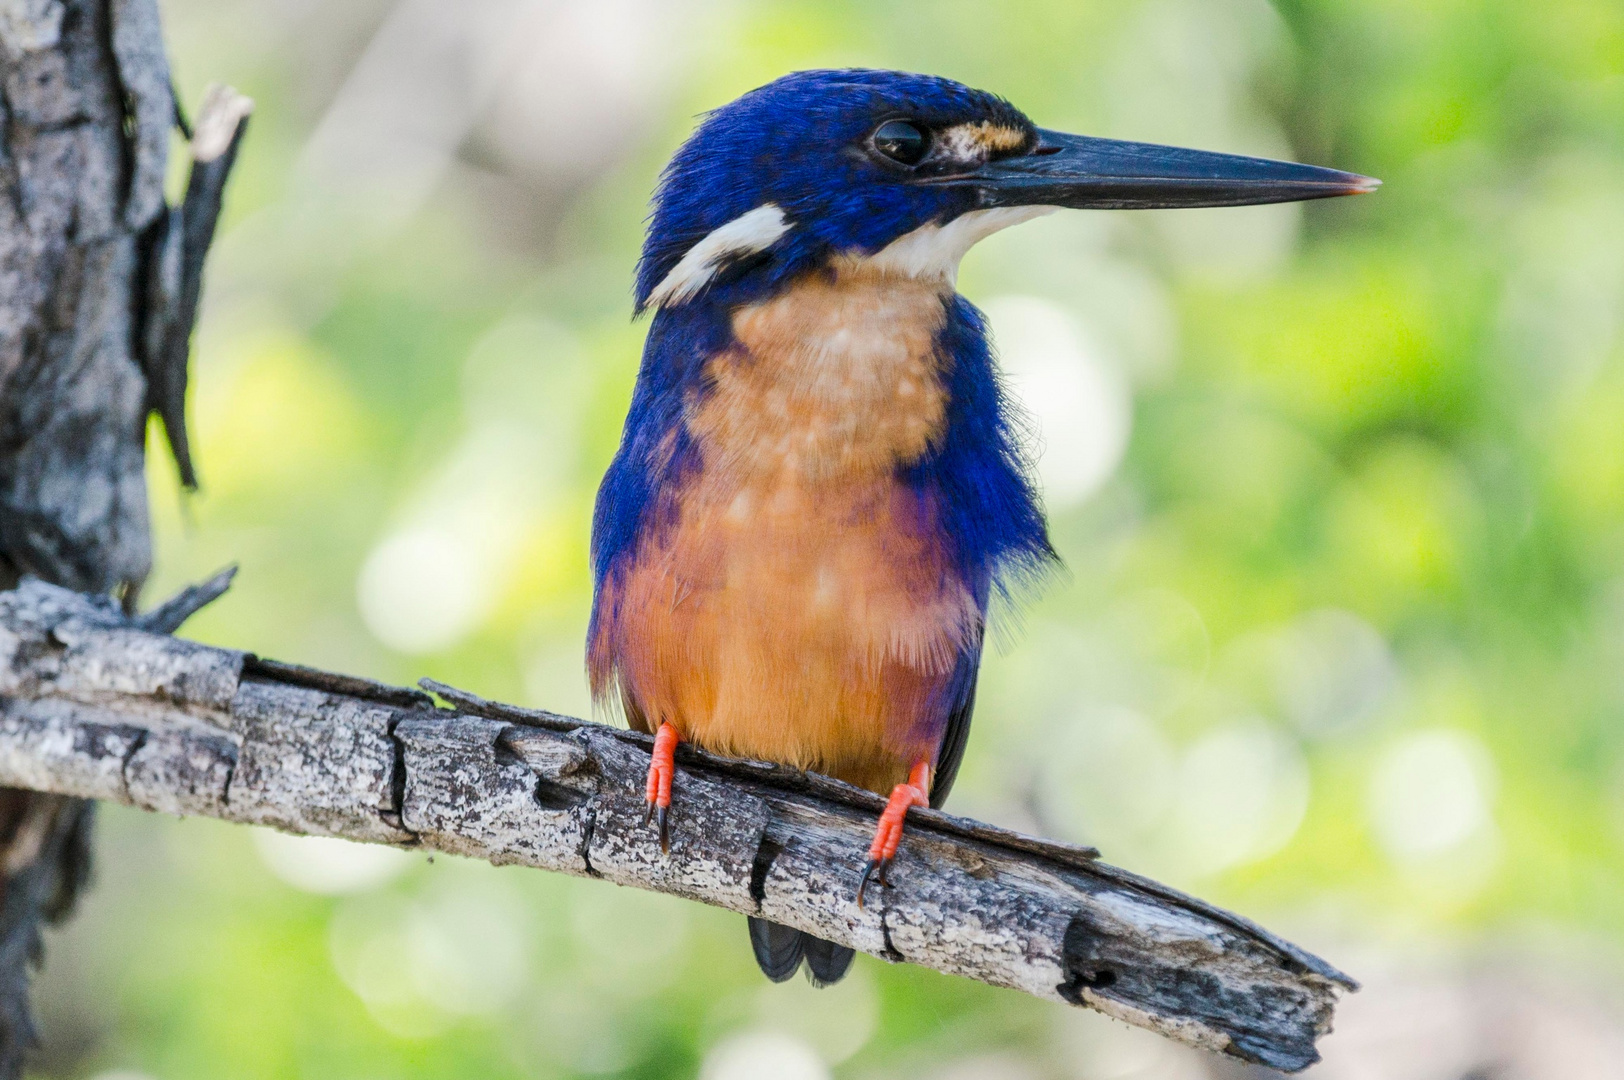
(94, 706)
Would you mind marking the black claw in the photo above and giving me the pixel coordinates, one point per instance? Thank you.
(663, 817)
(648, 812)
(885, 873)
(869, 870)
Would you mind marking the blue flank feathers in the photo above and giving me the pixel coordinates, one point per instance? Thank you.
(789, 143)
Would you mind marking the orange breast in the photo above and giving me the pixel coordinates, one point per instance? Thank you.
(802, 607)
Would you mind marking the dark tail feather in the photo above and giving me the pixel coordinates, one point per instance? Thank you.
(779, 951)
(778, 948)
(826, 962)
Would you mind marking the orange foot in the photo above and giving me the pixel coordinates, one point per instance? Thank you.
(889, 833)
(662, 767)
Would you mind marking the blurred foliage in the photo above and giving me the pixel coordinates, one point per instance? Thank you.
(1340, 489)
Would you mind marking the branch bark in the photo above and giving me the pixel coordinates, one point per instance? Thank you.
(93, 705)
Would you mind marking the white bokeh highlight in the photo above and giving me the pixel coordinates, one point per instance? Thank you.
(421, 590)
(326, 865)
(419, 965)
(759, 1055)
(1242, 792)
(1107, 777)
(1431, 792)
(1074, 394)
(1333, 672)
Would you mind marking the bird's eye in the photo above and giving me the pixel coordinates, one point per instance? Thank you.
(902, 141)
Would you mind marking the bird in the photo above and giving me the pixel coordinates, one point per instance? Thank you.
(822, 484)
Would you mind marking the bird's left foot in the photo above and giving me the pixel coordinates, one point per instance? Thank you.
(662, 767)
(888, 836)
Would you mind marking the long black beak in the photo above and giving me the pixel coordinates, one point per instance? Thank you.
(1087, 173)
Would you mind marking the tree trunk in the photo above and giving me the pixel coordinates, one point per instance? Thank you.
(95, 313)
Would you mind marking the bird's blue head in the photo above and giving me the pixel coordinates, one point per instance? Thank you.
(820, 163)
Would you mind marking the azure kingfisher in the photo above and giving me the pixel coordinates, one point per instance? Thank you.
(821, 483)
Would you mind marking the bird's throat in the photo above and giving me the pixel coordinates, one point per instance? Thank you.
(836, 378)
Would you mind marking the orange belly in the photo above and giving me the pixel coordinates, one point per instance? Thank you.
(800, 606)
(815, 630)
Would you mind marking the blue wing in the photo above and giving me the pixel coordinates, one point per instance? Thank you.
(989, 506)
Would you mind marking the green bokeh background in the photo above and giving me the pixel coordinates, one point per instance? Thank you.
(1341, 640)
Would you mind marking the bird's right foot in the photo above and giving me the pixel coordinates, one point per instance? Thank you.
(888, 834)
(662, 768)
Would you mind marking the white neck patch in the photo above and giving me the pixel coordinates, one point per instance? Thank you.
(934, 251)
(746, 234)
